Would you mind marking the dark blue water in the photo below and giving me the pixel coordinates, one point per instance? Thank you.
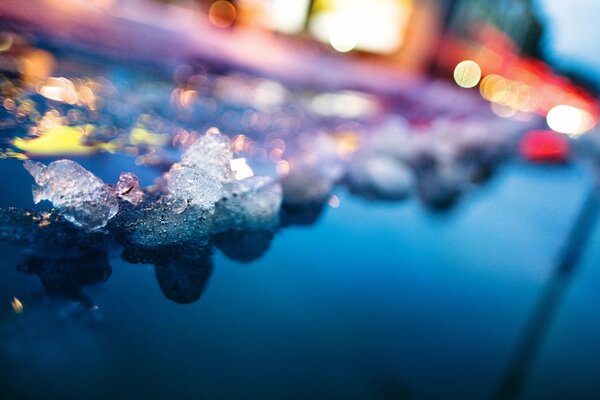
(373, 301)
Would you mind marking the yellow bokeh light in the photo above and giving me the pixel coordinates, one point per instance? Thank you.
(61, 140)
(141, 136)
(467, 74)
(377, 26)
(17, 306)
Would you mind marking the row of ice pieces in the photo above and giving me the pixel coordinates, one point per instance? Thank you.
(395, 161)
(197, 197)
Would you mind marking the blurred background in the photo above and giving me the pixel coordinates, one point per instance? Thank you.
(439, 164)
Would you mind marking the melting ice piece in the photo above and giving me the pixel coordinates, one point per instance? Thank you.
(156, 224)
(199, 178)
(81, 197)
(252, 203)
(313, 170)
(379, 176)
(128, 188)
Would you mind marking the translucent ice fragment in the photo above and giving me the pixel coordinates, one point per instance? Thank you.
(81, 197)
(379, 176)
(212, 153)
(252, 203)
(128, 188)
(199, 178)
(313, 171)
(156, 224)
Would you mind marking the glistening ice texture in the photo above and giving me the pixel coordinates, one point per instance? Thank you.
(198, 179)
(81, 197)
(251, 203)
(200, 197)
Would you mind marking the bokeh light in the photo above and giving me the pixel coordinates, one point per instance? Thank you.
(467, 74)
(222, 14)
(569, 120)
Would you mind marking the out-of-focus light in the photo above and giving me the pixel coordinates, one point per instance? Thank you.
(9, 104)
(275, 154)
(334, 201)
(283, 168)
(238, 143)
(59, 89)
(35, 66)
(6, 41)
(141, 136)
(508, 94)
(345, 104)
(241, 168)
(502, 110)
(467, 74)
(213, 130)
(491, 85)
(544, 146)
(102, 3)
(372, 25)
(61, 140)
(222, 14)
(269, 93)
(343, 42)
(346, 142)
(288, 16)
(569, 120)
(17, 306)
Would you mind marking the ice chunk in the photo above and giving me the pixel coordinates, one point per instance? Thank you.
(313, 171)
(199, 178)
(128, 188)
(379, 176)
(251, 203)
(305, 184)
(212, 153)
(156, 224)
(81, 197)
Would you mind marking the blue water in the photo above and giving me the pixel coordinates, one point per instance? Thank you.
(373, 301)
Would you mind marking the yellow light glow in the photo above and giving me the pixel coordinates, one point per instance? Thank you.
(17, 306)
(569, 120)
(141, 136)
(8, 153)
(346, 142)
(61, 140)
(377, 26)
(35, 66)
(467, 74)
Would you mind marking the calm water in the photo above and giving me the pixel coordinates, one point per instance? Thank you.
(373, 301)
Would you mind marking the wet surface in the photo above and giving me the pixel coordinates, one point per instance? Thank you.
(374, 300)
